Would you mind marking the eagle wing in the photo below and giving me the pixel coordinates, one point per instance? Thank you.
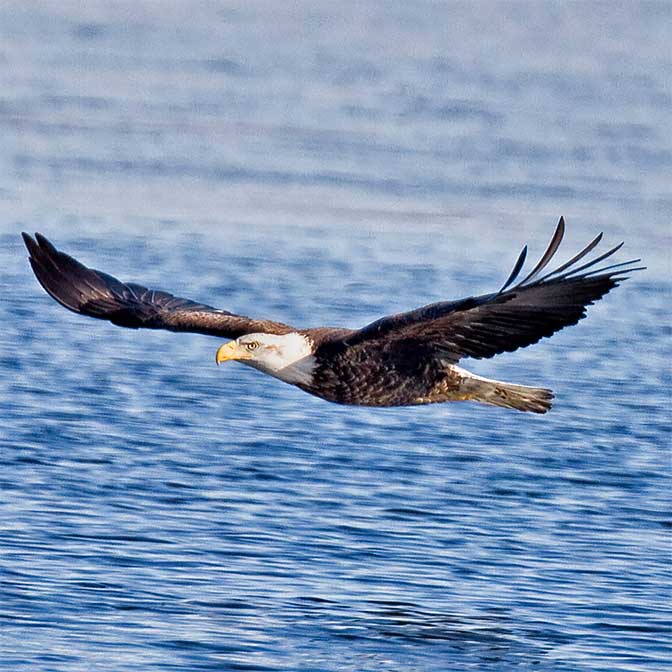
(516, 316)
(90, 292)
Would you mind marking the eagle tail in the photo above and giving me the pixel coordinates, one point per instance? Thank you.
(507, 395)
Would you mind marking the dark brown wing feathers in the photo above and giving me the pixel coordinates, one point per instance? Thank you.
(480, 326)
(548, 255)
(513, 318)
(90, 292)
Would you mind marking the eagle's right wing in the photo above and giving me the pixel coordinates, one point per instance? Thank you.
(90, 292)
(514, 317)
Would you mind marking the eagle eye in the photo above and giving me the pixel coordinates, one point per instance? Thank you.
(252, 345)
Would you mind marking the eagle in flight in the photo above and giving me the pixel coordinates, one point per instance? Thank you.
(399, 360)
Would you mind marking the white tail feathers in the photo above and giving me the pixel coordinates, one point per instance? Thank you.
(508, 395)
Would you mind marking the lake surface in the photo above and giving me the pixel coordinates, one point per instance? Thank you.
(329, 165)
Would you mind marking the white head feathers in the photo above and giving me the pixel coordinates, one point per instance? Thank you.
(287, 356)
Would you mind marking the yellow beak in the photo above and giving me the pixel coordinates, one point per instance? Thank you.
(226, 352)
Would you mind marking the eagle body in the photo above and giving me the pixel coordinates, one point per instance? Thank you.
(374, 374)
(370, 376)
(405, 359)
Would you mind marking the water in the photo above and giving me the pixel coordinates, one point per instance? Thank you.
(326, 165)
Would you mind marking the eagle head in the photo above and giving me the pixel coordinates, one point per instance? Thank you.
(285, 356)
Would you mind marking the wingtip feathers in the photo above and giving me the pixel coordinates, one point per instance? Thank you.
(569, 267)
(29, 242)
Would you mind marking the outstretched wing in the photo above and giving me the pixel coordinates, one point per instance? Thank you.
(97, 294)
(514, 317)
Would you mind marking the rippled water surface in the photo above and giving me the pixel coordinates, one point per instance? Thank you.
(326, 164)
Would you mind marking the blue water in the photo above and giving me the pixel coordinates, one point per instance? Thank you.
(328, 164)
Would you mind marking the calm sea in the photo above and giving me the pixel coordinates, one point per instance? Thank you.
(324, 163)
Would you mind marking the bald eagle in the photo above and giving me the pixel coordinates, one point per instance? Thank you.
(399, 360)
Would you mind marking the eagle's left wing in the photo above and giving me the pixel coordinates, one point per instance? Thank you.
(484, 326)
(88, 291)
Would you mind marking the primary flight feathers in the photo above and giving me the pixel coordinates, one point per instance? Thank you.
(403, 359)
